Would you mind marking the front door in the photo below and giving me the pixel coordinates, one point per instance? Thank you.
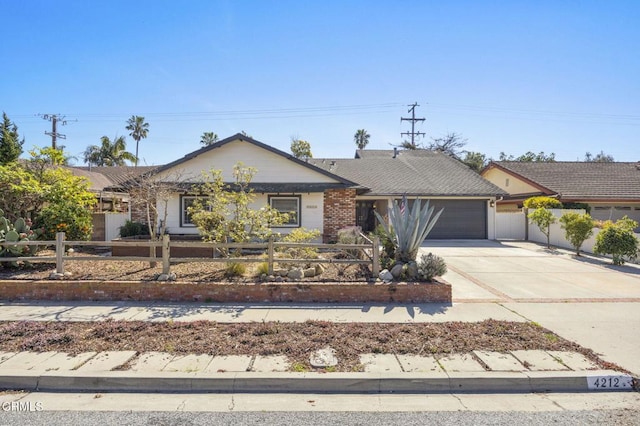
(365, 218)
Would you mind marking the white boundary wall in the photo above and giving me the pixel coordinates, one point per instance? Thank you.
(511, 226)
(112, 224)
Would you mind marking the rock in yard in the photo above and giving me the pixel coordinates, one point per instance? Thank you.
(295, 274)
(385, 275)
(412, 270)
(166, 277)
(319, 269)
(280, 272)
(396, 271)
(322, 358)
(310, 272)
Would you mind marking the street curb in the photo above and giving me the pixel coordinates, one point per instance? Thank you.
(337, 383)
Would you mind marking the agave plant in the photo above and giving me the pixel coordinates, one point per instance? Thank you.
(408, 227)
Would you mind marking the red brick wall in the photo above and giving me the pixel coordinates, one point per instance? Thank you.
(226, 292)
(138, 212)
(339, 211)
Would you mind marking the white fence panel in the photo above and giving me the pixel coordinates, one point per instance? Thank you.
(556, 234)
(510, 226)
(112, 224)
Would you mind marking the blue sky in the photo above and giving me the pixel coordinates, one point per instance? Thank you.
(510, 76)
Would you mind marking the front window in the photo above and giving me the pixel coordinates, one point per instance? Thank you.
(186, 201)
(288, 205)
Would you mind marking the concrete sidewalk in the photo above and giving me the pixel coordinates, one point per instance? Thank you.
(479, 372)
(519, 371)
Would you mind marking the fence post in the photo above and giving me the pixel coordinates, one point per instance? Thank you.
(166, 254)
(60, 252)
(376, 256)
(270, 255)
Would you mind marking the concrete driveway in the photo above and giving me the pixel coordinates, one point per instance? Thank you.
(584, 299)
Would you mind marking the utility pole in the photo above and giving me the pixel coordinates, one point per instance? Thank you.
(413, 120)
(54, 119)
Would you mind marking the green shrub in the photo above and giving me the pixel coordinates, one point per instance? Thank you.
(543, 218)
(263, 268)
(431, 266)
(542, 203)
(300, 235)
(577, 228)
(235, 269)
(618, 240)
(388, 246)
(133, 229)
(72, 219)
(584, 206)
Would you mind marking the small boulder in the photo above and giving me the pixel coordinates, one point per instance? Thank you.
(280, 272)
(385, 275)
(322, 358)
(279, 279)
(295, 274)
(396, 271)
(309, 272)
(163, 277)
(412, 270)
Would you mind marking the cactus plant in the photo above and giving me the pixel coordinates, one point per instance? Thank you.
(409, 227)
(18, 231)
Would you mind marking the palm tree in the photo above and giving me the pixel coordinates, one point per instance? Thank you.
(138, 129)
(109, 153)
(361, 138)
(209, 138)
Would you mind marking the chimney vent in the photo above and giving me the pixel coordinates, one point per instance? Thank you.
(395, 151)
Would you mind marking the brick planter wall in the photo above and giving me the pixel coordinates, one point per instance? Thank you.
(226, 292)
(339, 211)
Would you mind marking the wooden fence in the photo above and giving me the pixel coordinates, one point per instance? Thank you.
(370, 252)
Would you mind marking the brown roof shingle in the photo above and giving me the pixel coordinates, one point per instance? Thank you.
(420, 172)
(581, 180)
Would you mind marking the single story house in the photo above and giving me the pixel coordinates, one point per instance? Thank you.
(386, 175)
(329, 194)
(611, 190)
(313, 197)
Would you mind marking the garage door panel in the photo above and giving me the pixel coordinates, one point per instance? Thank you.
(461, 219)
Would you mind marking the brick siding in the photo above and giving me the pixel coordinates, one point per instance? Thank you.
(339, 211)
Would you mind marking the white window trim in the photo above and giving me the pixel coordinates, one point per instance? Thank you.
(183, 211)
(297, 198)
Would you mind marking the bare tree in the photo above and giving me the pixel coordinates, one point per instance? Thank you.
(152, 195)
(450, 144)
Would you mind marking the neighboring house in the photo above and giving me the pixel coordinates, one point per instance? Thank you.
(313, 197)
(113, 205)
(612, 190)
(106, 183)
(386, 175)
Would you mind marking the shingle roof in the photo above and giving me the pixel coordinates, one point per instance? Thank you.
(240, 136)
(581, 180)
(420, 172)
(118, 175)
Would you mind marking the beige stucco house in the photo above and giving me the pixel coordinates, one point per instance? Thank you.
(330, 194)
(314, 198)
